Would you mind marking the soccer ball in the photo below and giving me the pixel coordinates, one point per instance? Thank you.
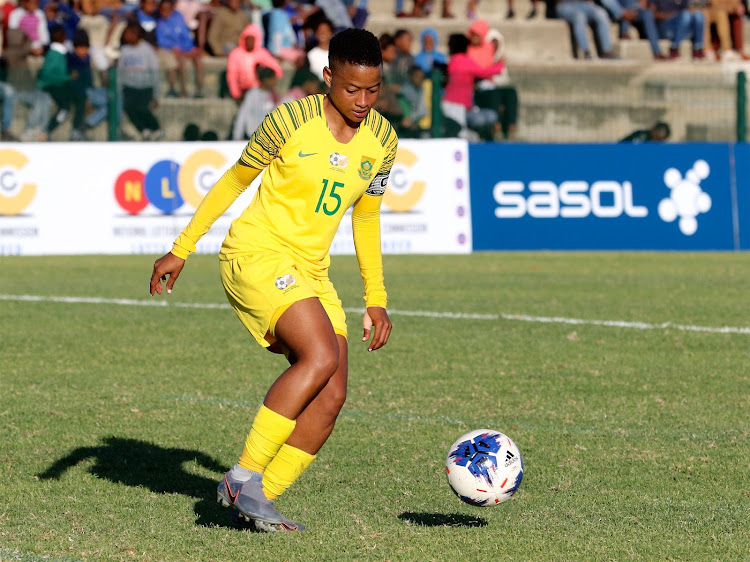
(484, 467)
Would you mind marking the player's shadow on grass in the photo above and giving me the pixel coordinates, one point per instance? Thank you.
(141, 464)
(442, 519)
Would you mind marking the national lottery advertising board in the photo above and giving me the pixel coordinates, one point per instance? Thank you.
(133, 198)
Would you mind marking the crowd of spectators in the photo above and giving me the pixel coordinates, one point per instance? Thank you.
(57, 57)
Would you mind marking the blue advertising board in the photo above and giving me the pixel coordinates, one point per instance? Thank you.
(741, 153)
(604, 197)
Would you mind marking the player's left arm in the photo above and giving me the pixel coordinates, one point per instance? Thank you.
(366, 231)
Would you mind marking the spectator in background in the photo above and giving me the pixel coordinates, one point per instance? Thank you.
(387, 102)
(28, 18)
(458, 96)
(104, 38)
(645, 18)
(173, 34)
(8, 101)
(304, 83)
(497, 93)
(281, 40)
(59, 13)
(55, 79)
(510, 14)
(226, 27)
(736, 20)
(257, 104)
(79, 66)
(718, 13)
(404, 60)
(413, 105)
(196, 15)
(147, 16)
(336, 12)
(423, 8)
(138, 72)
(580, 14)
(658, 133)
(38, 102)
(6, 7)
(357, 12)
(243, 60)
(317, 57)
(191, 133)
(480, 50)
(675, 22)
(429, 56)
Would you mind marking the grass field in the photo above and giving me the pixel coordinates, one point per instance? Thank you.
(117, 418)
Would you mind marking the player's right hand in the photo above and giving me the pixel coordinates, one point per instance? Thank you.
(167, 265)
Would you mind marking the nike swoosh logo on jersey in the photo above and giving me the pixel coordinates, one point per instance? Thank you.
(303, 155)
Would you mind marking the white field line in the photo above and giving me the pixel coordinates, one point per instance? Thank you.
(395, 312)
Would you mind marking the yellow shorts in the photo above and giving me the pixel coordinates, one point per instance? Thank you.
(261, 286)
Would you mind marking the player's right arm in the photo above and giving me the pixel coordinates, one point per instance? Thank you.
(263, 147)
(216, 202)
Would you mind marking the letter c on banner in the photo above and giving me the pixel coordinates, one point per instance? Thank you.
(404, 197)
(189, 171)
(22, 197)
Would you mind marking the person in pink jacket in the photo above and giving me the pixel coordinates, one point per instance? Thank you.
(458, 96)
(243, 60)
(480, 49)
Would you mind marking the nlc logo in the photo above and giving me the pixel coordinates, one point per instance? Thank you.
(167, 185)
(15, 195)
(403, 194)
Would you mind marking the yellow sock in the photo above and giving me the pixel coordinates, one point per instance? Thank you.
(284, 469)
(269, 432)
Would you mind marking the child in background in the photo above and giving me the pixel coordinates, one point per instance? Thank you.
(411, 98)
(138, 71)
(173, 34)
(458, 97)
(304, 83)
(429, 56)
(32, 21)
(281, 40)
(317, 57)
(258, 103)
(79, 66)
(54, 79)
(243, 61)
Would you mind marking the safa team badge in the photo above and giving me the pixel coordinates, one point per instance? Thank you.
(365, 168)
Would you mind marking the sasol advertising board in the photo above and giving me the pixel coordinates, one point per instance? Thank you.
(602, 197)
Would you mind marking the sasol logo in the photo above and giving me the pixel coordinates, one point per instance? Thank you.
(167, 185)
(15, 194)
(686, 200)
(570, 199)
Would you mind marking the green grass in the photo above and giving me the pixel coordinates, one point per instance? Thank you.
(116, 422)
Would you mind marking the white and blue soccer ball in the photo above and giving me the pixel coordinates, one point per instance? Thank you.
(484, 467)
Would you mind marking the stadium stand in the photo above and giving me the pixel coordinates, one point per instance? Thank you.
(562, 97)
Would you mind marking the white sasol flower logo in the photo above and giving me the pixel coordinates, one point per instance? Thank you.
(687, 199)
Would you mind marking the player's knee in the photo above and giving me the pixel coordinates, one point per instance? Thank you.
(322, 365)
(335, 399)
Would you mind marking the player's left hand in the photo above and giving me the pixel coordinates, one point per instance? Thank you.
(166, 268)
(376, 317)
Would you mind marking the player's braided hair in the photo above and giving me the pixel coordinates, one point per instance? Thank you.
(354, 46)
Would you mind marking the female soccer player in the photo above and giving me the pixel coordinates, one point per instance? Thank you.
(321, 155)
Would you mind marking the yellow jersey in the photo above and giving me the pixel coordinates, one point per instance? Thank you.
(310, 181)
